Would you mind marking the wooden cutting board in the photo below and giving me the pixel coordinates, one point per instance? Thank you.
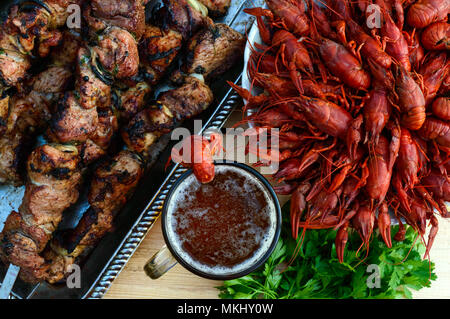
(179, 283)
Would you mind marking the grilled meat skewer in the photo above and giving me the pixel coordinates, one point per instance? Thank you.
(84, 122)
(112, 184)
(30, 27)
(85, 116)
(157, 50)
(143, 130)
(172, 26)
(159, 45)
(172, 107)
(176, 105)
(54, 177)
(26, 114)
(27, 117)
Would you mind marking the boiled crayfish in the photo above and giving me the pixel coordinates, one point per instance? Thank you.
(363, 113)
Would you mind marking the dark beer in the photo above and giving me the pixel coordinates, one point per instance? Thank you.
(222, 227)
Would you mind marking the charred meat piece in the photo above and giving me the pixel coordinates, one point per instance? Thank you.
(66, 54)
(37, 22)
(114, 57)
(92, 85)
(90, 130)
(106, 128)
(130, 100)
(146, 127)
(184, 16)
(54, 80)
(72, 122)
(31, 26)
(100, 140)
(117, 52)
(53, 181)
(125, 14)
(51, 168)
(113, 182)
(157, 49)
(188, 100)
(31, 112)
(13, 152)
(28, 114)
(14, 63)
(173, 106)
(23, 117)
(213, 50)
(216, 8)
(4, 113)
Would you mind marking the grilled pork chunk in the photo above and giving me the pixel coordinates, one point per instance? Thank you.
(216, 8)
(172, 106)
(53, 181)
(212, 51)
(185, 17)
(130, 100)
(117, 52)
(158, 48)
(31, 29)
(26, 115)
(125, 14)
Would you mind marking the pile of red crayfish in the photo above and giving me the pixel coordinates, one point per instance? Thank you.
(363, 112)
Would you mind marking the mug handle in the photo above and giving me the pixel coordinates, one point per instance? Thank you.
(160, 263)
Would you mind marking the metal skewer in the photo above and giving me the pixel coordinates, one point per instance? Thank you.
(9, 279)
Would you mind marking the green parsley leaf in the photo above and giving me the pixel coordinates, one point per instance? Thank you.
(315, 272)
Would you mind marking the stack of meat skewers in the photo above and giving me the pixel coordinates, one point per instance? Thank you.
(119, 59)
(362, 111)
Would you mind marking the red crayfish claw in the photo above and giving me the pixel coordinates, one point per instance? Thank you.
(197, 153)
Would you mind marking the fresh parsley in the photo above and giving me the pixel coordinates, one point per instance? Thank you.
(316, 272)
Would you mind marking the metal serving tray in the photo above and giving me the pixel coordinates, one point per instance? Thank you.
(107, 259)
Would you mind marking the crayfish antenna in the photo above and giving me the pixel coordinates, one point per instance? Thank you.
(407, 255)
(365, 243)
(314, 33)
(297, 249)
(169, 161)
(356, 254)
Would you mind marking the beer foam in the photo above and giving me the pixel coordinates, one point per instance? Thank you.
(184, 193)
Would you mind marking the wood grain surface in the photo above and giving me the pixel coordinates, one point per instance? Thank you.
(179, 283)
